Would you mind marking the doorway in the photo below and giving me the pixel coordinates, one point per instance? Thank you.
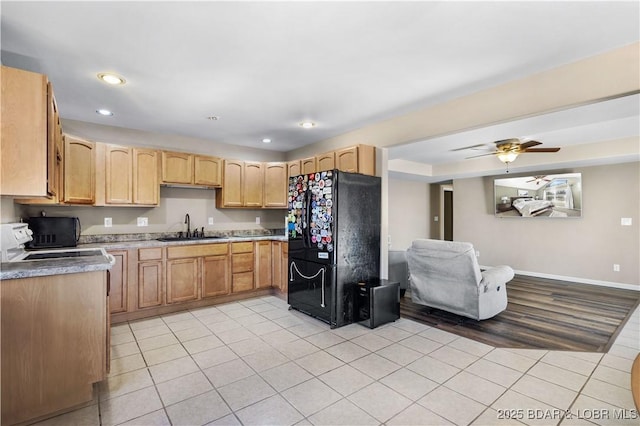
(446, 212)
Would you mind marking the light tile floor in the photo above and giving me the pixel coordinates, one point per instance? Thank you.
(256, 362)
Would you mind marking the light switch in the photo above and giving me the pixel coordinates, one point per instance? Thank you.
(257, 220)
(210, 222)
(436, 218)
(626, 221)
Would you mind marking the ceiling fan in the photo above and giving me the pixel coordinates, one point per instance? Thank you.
(539, 179)
(508, 150)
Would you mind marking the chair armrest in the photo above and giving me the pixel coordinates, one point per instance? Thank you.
(494, 278)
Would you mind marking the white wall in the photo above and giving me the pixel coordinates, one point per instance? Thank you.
(167, 217)
(584, 248)
(408, 212)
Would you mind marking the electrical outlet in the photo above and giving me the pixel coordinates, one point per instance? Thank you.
(477, 253)
(210, 221)
(616, 267)
(108, 222)
(257, 220)
(143, 221)
(626, 221)
(436, 218)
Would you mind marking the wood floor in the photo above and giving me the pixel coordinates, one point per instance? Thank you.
(542, 314)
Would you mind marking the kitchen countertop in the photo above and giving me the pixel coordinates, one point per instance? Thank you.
(38, 268)
(125, 245)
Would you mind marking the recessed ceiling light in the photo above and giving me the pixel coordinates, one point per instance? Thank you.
(266, 140)
(104, 112)
(213, 118)
(307, 124)
(111, 78)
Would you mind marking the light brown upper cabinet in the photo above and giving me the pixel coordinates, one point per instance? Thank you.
(231, 194)
(207, 170)
(253, 184)
(146, 188)
(118, 174)
(79, 171)
(294, 168)
(129, 176)
(308, 165)
(326, 161)
(29, 128)
(177, 167)
(275, 185)
(191, 169)
(357, 159)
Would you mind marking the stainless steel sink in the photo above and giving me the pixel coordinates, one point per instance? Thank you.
(170, 239)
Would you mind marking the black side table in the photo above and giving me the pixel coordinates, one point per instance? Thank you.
(378, 302)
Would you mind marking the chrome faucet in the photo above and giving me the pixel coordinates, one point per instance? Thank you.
(187, 220)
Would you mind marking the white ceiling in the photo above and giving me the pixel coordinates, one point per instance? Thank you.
(263, 67)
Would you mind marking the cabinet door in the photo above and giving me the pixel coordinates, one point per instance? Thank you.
(118, 175)
(253, 184)
(150, 284)
(53, 124)
(347, 160)
(231, 193)
(23, 163)
(275, 185)
(294, 168)
(326, 161)
(118, 281)
(177, 167)
(263, 274)
(276, 264)
(216, 277)
(207, 171)
(308, 165)
(146, 187)
(79, 171)
(182, 280)
(357, 159)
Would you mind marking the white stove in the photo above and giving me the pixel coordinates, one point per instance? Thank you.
(15, 235)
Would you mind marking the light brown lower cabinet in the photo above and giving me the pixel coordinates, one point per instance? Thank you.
(215, 276)
(150, 284)
(182, 280)
(118, 282)
(242, 266)
(53, 343)
(263, 272)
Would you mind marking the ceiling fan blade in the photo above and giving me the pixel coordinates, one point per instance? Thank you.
(470, 147)
(482, 155)
(529, 144)
(540, 150)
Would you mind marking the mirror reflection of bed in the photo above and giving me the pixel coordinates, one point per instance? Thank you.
(539, 196)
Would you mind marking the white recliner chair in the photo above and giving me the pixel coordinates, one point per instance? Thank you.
(446, 275)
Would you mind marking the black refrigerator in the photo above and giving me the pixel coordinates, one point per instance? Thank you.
(333, 228)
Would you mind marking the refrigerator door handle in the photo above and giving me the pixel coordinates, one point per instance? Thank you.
(307, 219)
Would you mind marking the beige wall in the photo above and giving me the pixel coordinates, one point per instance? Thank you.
(408, 212)
(584, 248)
(167, 217)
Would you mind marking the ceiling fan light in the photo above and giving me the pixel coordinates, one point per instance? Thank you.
(507, 157)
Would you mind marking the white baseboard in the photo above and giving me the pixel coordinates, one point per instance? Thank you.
(580, 280)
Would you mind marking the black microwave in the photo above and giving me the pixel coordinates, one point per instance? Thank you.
(54, 232)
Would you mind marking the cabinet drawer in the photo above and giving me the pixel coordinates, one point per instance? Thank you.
(243, 247)
(242, 262)
(242, 282)
(197, 250)
(154, 253)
